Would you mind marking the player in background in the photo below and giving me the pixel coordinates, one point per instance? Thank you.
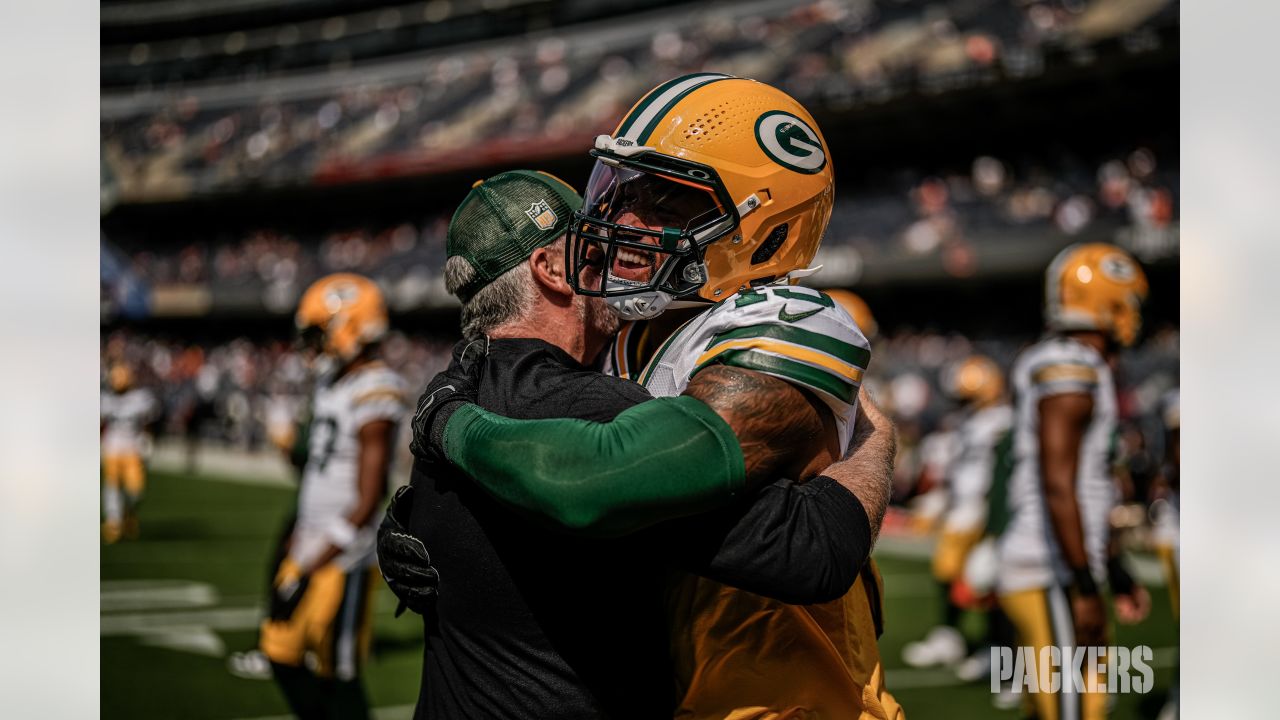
(1054, 551)
(318, 630)
(126, 411)
(978, 384)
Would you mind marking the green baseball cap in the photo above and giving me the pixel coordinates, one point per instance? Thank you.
(504, 219)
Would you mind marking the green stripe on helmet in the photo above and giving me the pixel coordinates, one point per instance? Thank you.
(653, 95)
(657, 119)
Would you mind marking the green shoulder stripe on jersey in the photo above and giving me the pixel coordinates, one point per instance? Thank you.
(852, 354)
(787, 369)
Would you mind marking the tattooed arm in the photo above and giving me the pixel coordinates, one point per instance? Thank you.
(785, 431)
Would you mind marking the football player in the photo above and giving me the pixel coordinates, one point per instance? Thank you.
(978, 384)
(1054, 549)
(126, 411)
(712, 196)
(318, 630)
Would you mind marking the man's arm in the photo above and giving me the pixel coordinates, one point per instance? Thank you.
(1063, 419)
(786, 431)
(783, 430)
(867, 467)
(661, 459)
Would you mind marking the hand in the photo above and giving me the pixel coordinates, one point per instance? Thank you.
(403, 559)
(1090, 619)
(287, 590)
(447, 391)
(1132, 607)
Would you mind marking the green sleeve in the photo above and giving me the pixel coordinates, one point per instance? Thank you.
(662, 459)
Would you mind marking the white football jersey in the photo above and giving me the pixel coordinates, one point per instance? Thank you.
(969, 476)
(793, 333)
(329, 482)
(1029, 553)
(125, 415)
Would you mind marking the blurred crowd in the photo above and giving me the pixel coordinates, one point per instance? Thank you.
(241, 394)
(552, 92)
(947, 215)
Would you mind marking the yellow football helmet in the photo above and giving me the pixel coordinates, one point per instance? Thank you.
(1096, 286)
(976, 379)
(120, 377)
(857, 309)
(342, 314)
(710, 184)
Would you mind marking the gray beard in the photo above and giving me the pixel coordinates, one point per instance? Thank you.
(598, 320)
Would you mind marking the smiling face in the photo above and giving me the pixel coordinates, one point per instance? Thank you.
(641, 207)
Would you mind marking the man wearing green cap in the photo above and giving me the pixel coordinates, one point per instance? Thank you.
(526, 621)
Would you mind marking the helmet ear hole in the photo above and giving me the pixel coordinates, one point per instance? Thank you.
(777, 236)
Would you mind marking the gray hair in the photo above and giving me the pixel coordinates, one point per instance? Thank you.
(502, 301)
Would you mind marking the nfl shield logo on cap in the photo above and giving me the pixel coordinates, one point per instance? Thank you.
(542, 215)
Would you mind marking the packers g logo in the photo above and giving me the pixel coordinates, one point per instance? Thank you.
(790, 142)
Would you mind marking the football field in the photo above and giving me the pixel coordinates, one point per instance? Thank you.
(177, 601)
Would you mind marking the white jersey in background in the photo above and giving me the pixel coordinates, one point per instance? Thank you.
(329, 481)
(969, 475)
(1029, 553)
(126, 415)
(793, 333)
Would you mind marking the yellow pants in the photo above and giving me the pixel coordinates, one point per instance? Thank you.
(740, 656)
(333, 622)
(951, 552)
(125, 471)
(1170, 563)
(1042, 618)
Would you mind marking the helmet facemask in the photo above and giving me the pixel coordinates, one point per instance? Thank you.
(640, 237)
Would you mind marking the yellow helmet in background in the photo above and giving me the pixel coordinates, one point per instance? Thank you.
(1096, 286)
(346, 313)
(710, 184)
(857, 309)
(976, 379)
(120, 377)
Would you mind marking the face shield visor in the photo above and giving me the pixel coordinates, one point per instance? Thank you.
(642, 229)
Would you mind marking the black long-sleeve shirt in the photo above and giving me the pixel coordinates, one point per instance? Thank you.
(530, 622)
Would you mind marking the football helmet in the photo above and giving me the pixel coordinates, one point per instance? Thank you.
(341, 315)
(1096, 286)
(709, 185)
(976, 379)
(120, 377)
(857, 309)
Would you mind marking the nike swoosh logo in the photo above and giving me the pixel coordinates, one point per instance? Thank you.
(417, 417)
(785, 316)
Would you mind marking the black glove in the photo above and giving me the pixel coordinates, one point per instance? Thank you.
(1118, 576)
(286, 591)
(403, 558)
(447, 391)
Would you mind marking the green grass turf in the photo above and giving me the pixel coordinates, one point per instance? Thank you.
(207, 530)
